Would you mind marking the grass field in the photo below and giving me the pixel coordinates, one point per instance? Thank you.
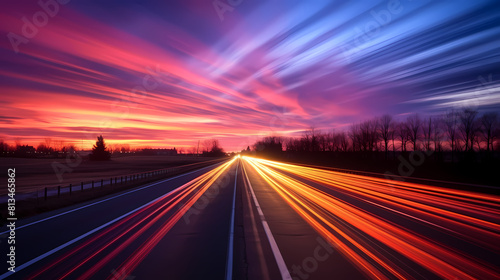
(32, 174)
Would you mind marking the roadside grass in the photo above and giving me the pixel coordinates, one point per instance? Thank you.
(38, 204)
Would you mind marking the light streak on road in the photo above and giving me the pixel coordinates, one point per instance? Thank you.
(161, 216)
(372, 221)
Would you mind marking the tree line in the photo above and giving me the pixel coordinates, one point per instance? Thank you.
(456, 131)
(53, 149)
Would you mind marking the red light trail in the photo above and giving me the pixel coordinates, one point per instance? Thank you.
(128, 230)
(385, 228)
(358, 233)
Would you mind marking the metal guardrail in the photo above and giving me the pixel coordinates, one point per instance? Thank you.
(46, 193)
(112, 181)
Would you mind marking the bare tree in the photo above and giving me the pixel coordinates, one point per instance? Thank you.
(212, 148)
(427, 129)
(374, 135)
(402, 133)
(59, 144)
(385, 126)
(42, 148)
(475, 136)
(69, 149)
(414, 123)
(343, 141)
(368, 136)
(354, 134)
(364, 136)
(206, 145)
(489, 123)
(125, 148)
(192, 150)
(290, 144)
(451, 123)
(311, 139)
(437, 133)
(48, 142)
(323, 142)
(468, 127)
(392, 135)
(4, 148)
(334, 140)
(18, 142)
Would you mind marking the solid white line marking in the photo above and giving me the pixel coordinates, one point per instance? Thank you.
(285, 274)
(109, 198)
(229, 265)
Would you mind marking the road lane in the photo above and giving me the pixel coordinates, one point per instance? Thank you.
(306, 253)
(393, 229)
(278, 257)
(254, 258)
(256, 219)
(42, 237)
(70, 209)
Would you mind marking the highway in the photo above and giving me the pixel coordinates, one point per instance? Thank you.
(249, 218)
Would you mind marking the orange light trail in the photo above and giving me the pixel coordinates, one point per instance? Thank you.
(469, 216)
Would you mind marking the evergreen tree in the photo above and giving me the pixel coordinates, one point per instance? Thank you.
(100, 151)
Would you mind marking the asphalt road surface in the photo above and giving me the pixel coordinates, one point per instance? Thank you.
(250, 218)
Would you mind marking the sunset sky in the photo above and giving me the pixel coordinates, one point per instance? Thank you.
(170, 73)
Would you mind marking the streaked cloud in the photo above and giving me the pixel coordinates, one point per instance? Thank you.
(159, 73)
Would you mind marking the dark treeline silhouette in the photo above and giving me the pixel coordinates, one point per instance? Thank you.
(457, 137)
(43, 150)
(212, 148)
(100, 151)
(455, 131)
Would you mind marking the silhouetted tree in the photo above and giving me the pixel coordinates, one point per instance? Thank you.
(245, 151)
(432, 133)
(368, 136)
(385, 131)
(468, 127)
(414, 123)
(311, 139)
(451, 123)
(70, 148)
(355, 136)
(4, 148)
(402, 133)
(427, 129)
(437, 133)
(324, 142)
(206, 145)
(191, 150)
(271, 145)
(42, 149)
(343, 142)
(392, 135)
(125, 148)
(100, 151)
(213, 148)
(489, 123)
(25, 151)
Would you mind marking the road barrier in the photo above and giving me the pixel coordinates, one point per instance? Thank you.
(129, 179)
